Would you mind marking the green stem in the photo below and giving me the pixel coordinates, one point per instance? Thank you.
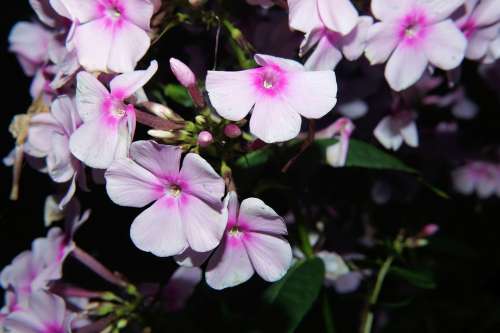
(327, 314)
(304, 238)
(368, 315)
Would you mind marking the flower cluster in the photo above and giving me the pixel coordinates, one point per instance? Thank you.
(87, 60)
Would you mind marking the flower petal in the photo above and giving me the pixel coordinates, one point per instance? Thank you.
(130, 43)
(338, 15)
(203, 226)
(229, 266)
(354, 44)
(303, 15)
(202, 180)
(231, 93)
(487, 12)
(90, 95)
(382, 40)
(311, 94)
(93, 42)
(389, 10)
(386, 135)
(256, 216)
(274, 121)
(405, 67)
(271, 256)
(452, 45)
(325, 56)
(161, 160)
(59, 159)
(190, 258)
(138, 12)
(181, 286)
(129, 184)
(287, 64)
(83, 11)
(439, 10)
(125, 85)
(159, 229)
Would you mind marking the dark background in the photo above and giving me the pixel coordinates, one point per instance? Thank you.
(464, 257)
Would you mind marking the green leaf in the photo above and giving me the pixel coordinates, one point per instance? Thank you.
(418, 278)
(294, 295)
(365, 155)
(255, 158)
(178, 94)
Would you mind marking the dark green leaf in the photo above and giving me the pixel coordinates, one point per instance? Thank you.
(255, 158)
(418, 278)
(294, 295)
(178, 94)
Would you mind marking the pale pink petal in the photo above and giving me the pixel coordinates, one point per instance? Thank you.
(59, 159)
(30, 40)
(311, 94)
(479, 43)
(45, 12)
(42, 127)
(161, 160)
(336, 154)
(38, 84)
(486, 187)
(23, 322)
(64, 111)
(130, 43)
(410, 134)
(231, 93)
(465, 109)
(190, 258)
(382, 40)
(325, 56)
(271, 256)
(60, 8)
(232, 205)
(388, 10)
(452, 45)
(93, 42)
(310, 39)
(181, 286)
(487, 12)
(125, 85)
(287, 64)
(138, 12)
(463, 181)
(303, 15)
(202, 180)
(97, 143)
(275, 121)
(256, 216)
(90, 95)
(387, 135)
(83, 11)
(439, 10)
(159, 229)
(70, 192)
(354, 44)
(49, 308)
(405, 67)
(229, 266)
(203, 225)
(129, 184)
(338, 15)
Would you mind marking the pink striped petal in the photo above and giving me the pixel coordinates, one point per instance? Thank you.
(303, 15)
(94, 42)
(338, 15)
(256, 216)
(138, 12)
(405, 67)
(161, 160)
(90, 95)
(125, 85)
(381, 42)
(452, 45)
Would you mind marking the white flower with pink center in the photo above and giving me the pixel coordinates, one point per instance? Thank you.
(331, 46)
(253, 242)
(187, 209)
(411, 35)
(44, 313)
(277, 93)
(336, 15)
(108, 121)
(480, 23)
(110, 35)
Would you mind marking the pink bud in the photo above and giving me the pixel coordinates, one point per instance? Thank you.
(232, 131)
(430, 229)
(183, 73)
(205, 138)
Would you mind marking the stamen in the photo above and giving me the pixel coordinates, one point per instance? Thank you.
(175, 190)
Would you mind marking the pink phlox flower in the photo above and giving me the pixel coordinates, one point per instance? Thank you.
(336, 15)
(330, 46)
(180, 287)
(51, 13)
(48, 137)
(109, 35)
(338, 274)
(108, 121)
(411, 35)
(395, 129)
(253, 242)
(478, 177)
(336, 154)
(479, 20)
(44, 313)
(278, 93)
(187, 209)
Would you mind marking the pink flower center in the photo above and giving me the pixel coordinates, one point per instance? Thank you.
(53, 328)
(469, 28)
(114, 110)
(413, 27)
(269, 80)
(175, 190)
(235, 231)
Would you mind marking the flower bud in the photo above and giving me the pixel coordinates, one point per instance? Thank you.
(200, 120)
(232, 131)
(205, 138)
(161, 134)
(430, 229)
(183, 73)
